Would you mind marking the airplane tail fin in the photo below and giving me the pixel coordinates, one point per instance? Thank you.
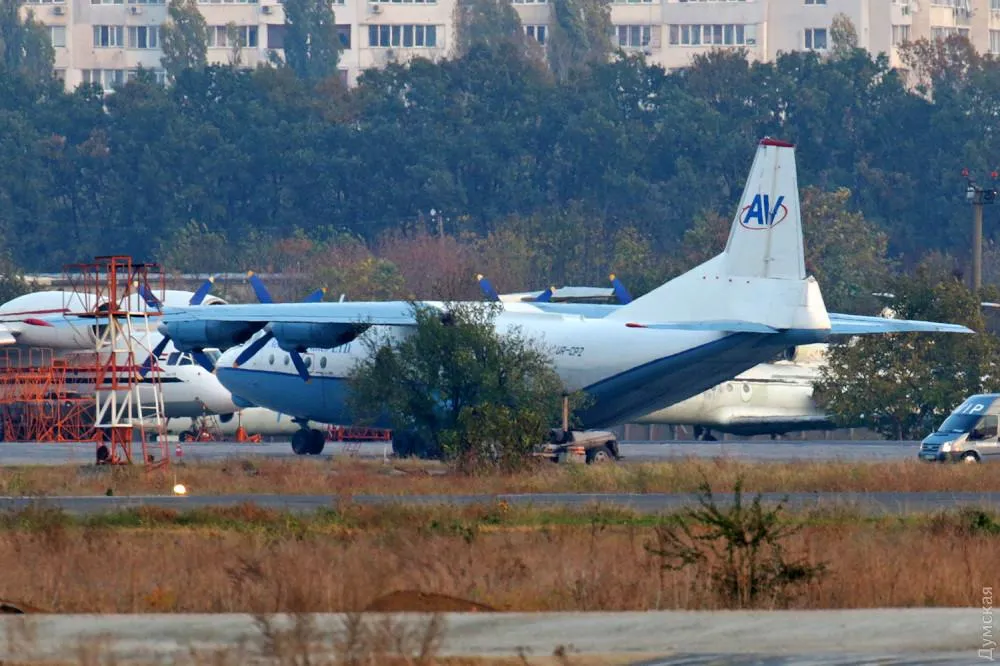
(760, 277)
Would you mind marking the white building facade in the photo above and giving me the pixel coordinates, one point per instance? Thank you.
(107, 41)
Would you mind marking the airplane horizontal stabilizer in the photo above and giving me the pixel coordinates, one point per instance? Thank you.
(841, 324)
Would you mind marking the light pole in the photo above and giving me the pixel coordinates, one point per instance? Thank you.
(978, 197)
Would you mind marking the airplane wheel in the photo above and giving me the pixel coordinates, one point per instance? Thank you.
(301, 442)
(317, 440)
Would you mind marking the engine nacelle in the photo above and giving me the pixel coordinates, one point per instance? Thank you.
(194, 335)
(300, 336)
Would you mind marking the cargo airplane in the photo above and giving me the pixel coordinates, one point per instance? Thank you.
(708, 325)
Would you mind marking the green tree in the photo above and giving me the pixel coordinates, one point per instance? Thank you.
(843, 36)
(184, 38)
(486, 23)
(312, 45)
(900, 385)
(477, 397)
(579, 35)
(26, 47)
(12, 283)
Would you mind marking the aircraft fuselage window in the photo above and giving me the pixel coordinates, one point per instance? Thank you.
(322, 362)
(985, 429)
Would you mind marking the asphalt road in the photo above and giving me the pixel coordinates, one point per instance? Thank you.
(27, 453)
(875, 503)
(907, 636)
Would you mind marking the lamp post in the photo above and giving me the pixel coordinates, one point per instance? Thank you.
(978, 197)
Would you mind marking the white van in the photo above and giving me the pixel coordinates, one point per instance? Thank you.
(969, 434)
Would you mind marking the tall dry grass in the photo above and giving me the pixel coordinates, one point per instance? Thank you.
(350, 477)
(59, 566)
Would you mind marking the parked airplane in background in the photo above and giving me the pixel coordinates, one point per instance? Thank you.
(50, 320)
(737, 310)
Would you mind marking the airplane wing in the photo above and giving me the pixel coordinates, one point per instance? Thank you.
(384, 313)
(843, 324)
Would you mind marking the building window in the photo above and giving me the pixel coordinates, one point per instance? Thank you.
(995, 5)
(815, 2)
(711, 0)
(218, 36)
(109, 37)
(995, 42)
(46, 2)
(160, 76)
(726, 34)
(900, 34)
(57, 35)
(536, 32)
(106, 78)
(227, 2)
(529, 2)
(106, 2)
(344, 33)
(144, 37)
(404, 2)
(146, 2)
(815, 39)
(60, 74)
(387, 36)
(633, 36)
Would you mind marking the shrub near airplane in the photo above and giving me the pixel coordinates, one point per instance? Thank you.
(739, 309)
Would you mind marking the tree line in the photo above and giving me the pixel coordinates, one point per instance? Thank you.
(569, 168)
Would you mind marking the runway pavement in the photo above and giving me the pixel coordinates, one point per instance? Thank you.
(873, 503)
(27, 453)
(907, 636)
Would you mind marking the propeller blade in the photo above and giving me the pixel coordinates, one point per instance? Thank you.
(252, 349)
(147, 365)
(621, 293)
(316, 296)
(202, 291)
(147, 295)
(487, 288)
(300, 365)
(202, 359)
(263, 295)
(545, 296)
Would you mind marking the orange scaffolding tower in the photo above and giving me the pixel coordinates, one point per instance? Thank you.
(37, 400)
(124, 298)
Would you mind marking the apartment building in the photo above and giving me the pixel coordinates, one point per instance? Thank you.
(106, 41)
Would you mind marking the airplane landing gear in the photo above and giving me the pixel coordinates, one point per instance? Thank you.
(704, 434)
(308, 441)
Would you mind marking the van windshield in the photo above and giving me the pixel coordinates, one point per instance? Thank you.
(966, 415)
(959, 423)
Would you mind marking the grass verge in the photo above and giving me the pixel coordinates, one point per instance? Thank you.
(351, 477)
(248, 560)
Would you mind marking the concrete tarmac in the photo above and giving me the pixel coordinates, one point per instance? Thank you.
(28, 453)
(877, 503)
(905, 636)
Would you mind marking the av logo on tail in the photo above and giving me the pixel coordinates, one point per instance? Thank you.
(761, 215)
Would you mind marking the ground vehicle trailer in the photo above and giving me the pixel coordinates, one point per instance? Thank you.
(590, 446)
(969, 434)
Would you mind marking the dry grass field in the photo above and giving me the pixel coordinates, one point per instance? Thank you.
(246, 559)
(352, 477)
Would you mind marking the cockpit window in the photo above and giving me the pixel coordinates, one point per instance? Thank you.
(172, 359)
(213, 354)
(186, 360)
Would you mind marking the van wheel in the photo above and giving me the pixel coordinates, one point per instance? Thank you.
(600, 455)
(970, 457)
